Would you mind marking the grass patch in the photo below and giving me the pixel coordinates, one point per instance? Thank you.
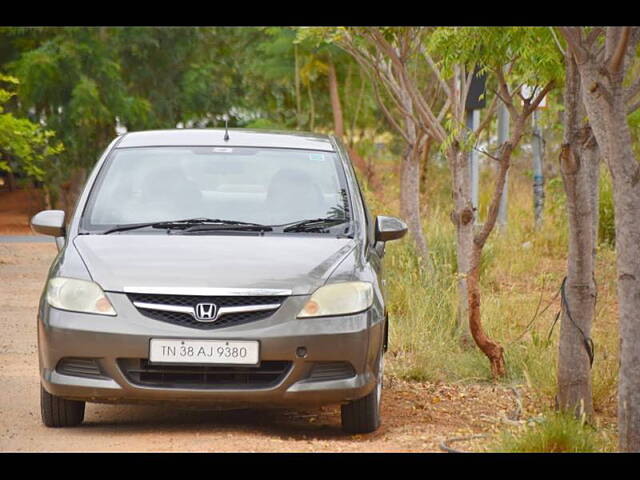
(556, 433)
(521, 271)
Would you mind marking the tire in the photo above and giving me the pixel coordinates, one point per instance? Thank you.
(363, 415)
(58, 412)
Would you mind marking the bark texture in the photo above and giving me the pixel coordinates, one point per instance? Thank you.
(336, 106)
(463, 217)
(602, 74)
(410, 199)
(410, 182)
(579, 165)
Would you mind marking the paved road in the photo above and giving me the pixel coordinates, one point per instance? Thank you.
(26, 239)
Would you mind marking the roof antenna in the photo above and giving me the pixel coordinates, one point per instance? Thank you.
(226, 128)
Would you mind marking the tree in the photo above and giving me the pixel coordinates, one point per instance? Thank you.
(395, 58)
(188, 75)
(490, 49)
(24, 146)
(388, 58)
(83, 82)
(603, 57)
(70, 81)
(579, 166)
(280, 65)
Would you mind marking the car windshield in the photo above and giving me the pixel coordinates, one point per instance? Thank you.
(266, 186)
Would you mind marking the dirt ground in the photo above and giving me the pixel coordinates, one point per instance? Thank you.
(416, 417)
(16, 208)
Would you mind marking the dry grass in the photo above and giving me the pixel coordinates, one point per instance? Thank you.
(522, 270)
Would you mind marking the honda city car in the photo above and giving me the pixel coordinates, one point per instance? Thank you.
(213, 267)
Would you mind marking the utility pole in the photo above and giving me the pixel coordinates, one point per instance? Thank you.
(473, 120)
(474, 102)
(503, 134)
(538, 175)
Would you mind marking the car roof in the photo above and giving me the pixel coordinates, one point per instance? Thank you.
(238, 137)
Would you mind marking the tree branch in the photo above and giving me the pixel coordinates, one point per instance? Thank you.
(593, 35)
(536, 101)
(387, 113)
(435, 70)
(488, 115)
(557, 40)
(573, 36)
(505, 160)
(505, 96)
(616, 60)
(633, 107)
(633, 89)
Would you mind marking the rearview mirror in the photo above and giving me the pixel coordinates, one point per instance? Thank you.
(49, 222)
(389, 228)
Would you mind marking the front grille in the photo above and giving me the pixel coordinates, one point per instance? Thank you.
(141, 372)
(187, 320)
(79, 367)
(323, 371)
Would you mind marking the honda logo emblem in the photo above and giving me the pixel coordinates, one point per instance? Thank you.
(206, 312)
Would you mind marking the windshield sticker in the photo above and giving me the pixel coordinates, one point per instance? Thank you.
(316, 156)
(223, 150)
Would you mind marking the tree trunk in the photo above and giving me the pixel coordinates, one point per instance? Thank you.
(368, 171)
(336, 107)
(296, 79)
(410, 200)
(579, 165)
(626, 173)
(312, 109)
(470, 244)
(608, 115)
(410, 183)
(71, 190)
(492, 349)
(426, 153)
(463, 218)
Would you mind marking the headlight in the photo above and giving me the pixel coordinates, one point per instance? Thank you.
(338, 299)
(78, 296)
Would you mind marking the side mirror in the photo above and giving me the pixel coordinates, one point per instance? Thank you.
(49, 222)
(389, 228)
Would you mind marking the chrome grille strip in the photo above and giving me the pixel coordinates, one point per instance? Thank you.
(210, 291)
(247, 308)
(221, 311)
(163, 307)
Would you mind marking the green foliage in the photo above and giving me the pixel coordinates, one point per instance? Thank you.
(24, 146)
(525, 56)
(271, 71)
(555, 433)
(72, 82)
(531, 51)
(83, 82)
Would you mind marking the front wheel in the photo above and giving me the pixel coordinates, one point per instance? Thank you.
(363, 415)
(59, 412)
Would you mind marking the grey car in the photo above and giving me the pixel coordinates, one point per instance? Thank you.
(219, 268)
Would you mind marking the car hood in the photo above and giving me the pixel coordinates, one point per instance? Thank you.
(297, 263)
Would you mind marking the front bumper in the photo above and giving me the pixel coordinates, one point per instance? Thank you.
(355, 339)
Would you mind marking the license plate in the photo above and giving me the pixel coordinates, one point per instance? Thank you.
(237, 352)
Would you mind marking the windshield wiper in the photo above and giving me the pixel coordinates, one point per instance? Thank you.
(191, 224)
(313, 224)
(226, 225)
